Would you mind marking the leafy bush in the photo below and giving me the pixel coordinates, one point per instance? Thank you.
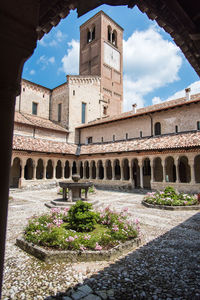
(170, 197)
(81, 218)
(54, 230)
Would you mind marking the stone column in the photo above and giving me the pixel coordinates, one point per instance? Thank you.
(192, 166)
(18, 41)
(90, 171)
(122, 170)
(62, 169)
(97, 171)
(177, 171)
(164, 170)
(140, 164)
(45, 170)
(54, 169)
(130, 173)
(152, 170)
(70, 169)
(23, 163)
(113, 170)
(105, 171)
(84, 171)
(34, 170)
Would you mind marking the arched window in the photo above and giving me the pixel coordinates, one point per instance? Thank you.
(109, 34)
(114, 38)
(88, 36)
(157, 128)
(93, 34)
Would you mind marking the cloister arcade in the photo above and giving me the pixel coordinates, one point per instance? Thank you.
(151, 171)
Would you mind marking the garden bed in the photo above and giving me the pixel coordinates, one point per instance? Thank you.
(79, 234)
(169, 199)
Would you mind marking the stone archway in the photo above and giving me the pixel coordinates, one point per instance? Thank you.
(28, 170)
(197, 168)
(15, 173)
(146, 173)
(93, 169)
(40, 169)
(170, 169)
(49, 171)
(59, 169)
(117, 169)
(67, 169)
(101, 169)
(184, 170)
(157, 170)
(126, 169)
(136, 173)
(108, 170)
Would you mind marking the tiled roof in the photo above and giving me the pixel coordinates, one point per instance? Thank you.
(41, 145)
(37, 122)
(182, 140)
(144, 110)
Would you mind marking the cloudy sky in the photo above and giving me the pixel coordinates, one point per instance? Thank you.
(155, 69)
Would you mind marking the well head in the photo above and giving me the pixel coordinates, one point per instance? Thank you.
(76, 177)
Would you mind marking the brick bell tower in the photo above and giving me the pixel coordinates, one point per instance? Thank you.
(101, 53)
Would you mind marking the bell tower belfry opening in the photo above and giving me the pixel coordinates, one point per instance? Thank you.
(101, 53)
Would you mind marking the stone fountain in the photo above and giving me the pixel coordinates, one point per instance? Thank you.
(71, 191)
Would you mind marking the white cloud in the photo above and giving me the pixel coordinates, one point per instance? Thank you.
(70, 61)
(44, 61)
(52, 60)
(150, 62)
(53, 39)
(195, 89)
(32, 72)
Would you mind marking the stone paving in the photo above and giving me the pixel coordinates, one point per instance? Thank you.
(165, 266)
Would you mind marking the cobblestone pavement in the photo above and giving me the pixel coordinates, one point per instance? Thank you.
(165, 266)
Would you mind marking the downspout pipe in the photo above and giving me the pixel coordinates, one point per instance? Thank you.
(150, 116)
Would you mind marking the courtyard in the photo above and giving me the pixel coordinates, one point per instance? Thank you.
(165, 266)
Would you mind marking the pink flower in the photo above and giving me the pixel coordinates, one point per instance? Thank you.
(66, 209)
(87, 237)
(136, 221)
(98, 247)
(70, 239)
(76, 237)
(115, 228)
(185, 202)
(125, 209)
(49, 225)
(82, 248)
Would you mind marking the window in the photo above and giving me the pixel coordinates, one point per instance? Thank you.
(176, 129)
(198, 125)
(141, 134)
(113, 138)
(73, 92)
(105, 110)
(93, 34)
(114, 38)
(102, 139)
(109, 34)
(59, 111)
(89, 139)
(83, 112)
(126, 136)
(34, 108)
(90, 35)
(157, 128)
(23, 89)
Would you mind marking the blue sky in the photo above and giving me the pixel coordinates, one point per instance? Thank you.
(155, 69)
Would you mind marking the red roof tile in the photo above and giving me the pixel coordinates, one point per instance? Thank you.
(41, 145)
(182, 140)
(37, 122)
(144, 110)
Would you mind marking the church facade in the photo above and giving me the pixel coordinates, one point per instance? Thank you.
(79, 127)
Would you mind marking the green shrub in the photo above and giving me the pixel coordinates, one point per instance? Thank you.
(81, 218)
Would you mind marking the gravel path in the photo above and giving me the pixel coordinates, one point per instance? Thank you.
(165, 266)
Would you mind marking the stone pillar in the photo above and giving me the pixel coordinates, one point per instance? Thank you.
(152, 170)
(90, 171)
(18, 41)
(105, 171)
(164, 170)
(62, 170)
(97, 171)
(84, 171)
(45, 170)
(177, 171)
(113, 169)
(140, 164)
(23, 163)
(122, 170)
(130, 173)
(70, 169)
(192, 166)
(54, 170)
(34, 170)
